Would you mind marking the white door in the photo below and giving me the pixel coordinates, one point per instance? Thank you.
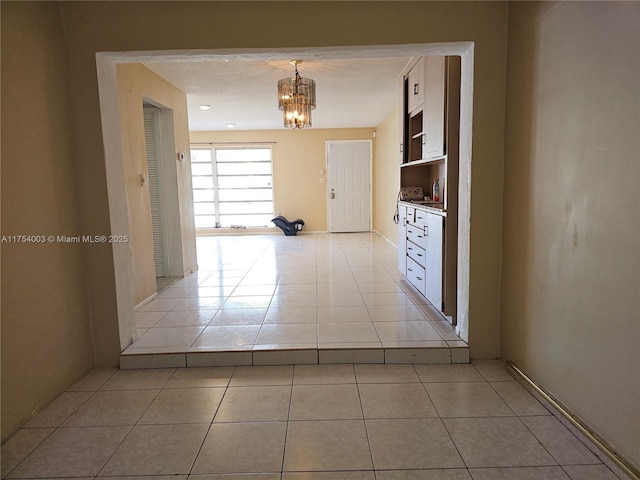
(154, 174)
(349, 165)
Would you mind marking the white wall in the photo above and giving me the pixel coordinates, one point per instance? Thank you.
(571, 234)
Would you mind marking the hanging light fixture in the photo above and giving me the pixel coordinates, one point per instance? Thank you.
(296, 99)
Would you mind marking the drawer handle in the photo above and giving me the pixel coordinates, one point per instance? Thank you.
(409, 269)
(419, 254)
(415, 88)
(409, 248)
(419, 278)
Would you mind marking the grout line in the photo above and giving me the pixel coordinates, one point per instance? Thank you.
(132, 427)
(364, 421)
(224, 394)
(286, 432)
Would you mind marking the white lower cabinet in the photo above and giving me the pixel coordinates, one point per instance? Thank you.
(420, 251)
(415, 274)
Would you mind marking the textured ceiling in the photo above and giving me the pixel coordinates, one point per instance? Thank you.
(356, 92)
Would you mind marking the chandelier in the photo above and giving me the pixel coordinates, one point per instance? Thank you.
(296, 99)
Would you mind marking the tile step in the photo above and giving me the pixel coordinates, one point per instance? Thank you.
(304, 356)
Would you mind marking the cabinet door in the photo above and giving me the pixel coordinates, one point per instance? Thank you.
(434, 229)
(402, 239)
(434, 104)
(415, 94)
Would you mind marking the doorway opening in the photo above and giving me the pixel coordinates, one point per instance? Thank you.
(108, 90)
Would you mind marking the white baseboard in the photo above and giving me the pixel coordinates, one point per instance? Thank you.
(386, 239)
(146, 300)
(617, 463)
(191, 270)
(214, 232)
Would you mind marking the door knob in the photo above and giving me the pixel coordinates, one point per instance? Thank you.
(332, 195)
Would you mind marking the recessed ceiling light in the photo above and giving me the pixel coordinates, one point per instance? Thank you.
(205, 107)
(230, 125)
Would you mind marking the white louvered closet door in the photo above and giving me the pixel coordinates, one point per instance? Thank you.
(154, 174)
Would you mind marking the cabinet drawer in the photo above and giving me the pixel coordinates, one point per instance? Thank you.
(416, 235)
(411, 215)
(415, 275)
(416, 253)
(416, 216)
(420, 218)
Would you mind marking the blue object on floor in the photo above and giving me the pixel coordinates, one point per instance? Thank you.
(289, 228)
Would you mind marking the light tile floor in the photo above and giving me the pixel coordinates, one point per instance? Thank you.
(325, 422)
(310, 293)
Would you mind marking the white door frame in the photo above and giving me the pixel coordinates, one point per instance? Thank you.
(327, 146)
(106, 63)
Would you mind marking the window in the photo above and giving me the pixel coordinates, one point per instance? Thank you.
(232, 187)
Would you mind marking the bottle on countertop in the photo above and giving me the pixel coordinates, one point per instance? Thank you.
(436, 191)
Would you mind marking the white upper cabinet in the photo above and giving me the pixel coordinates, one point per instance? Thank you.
(424, 117)
(415, 87)
(434, 107)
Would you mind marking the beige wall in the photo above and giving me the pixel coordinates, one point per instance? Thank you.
(91, 27)
(571, 272)
(135, 84)
(298, 157)
(46, 338)
(571, 228)
(386, 175)
(116, 26)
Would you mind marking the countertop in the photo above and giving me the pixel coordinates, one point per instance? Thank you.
(427, 208)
